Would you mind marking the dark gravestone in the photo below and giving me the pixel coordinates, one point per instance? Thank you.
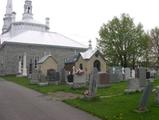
(144, 99)
(52, 75)
(103, 80)
(137, 73)
(62, 76)
(147, 75)
(70, 78)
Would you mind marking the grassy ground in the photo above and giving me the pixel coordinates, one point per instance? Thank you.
(45, 89)
(119, 107)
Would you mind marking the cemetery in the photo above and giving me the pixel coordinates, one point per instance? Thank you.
(141, 104)
(94, 87)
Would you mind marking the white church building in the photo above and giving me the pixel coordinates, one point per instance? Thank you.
(24, 42)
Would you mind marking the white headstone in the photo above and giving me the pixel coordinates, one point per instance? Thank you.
(127, 73)
(24, 65)
(133, 73)
(20, 67)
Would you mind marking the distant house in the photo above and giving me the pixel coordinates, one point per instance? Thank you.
(86, 61)
(47, 63)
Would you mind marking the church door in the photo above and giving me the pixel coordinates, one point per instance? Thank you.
(97, 65)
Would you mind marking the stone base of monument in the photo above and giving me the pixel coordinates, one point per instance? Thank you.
(78, 85)
(43, 83)
(34, 81)
(19, 75)
(141, 110)
(54, 82)
(133, 86)
(133, 90)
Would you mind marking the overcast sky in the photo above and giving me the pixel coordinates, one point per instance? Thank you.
(82, 19)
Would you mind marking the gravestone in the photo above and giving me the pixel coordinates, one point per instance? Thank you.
(119, 73)
(42, 79)
(52, 76)
(34, 77)
(79, 81)
(93, 83)
(142, 77)
(136, 72)
(133, 85)
(157, 96)
(112, 75)
(103, 79)
(63, 76)
(153, 73)
(132, 73)
(145, 97)
(127, 73)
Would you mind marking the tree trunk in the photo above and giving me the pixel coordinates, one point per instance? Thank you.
(125, 61)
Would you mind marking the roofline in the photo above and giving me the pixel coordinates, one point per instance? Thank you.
(39, 45)
(94, 54)
(30, 23)
(47, 58)
(78, 56)
(68, 38)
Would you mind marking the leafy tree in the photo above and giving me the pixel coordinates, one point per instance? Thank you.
(154, 36)
(121, 41)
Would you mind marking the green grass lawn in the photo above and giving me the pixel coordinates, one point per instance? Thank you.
(44, 89)
(120, 107)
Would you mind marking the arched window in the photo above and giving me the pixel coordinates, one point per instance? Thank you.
(81, 66)
(28, 9)
(36, 62)
(97, 65)
(30, 67)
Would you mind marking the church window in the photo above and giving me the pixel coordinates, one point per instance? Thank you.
(35, 62)
(22, 61)
(30, 67)
(81, 66)
(28, 9)
(96, 55)
(19, 58)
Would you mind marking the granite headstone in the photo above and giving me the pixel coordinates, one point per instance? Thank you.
(145, 97)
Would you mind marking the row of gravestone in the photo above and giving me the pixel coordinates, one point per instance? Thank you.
(146, 95)
(117, 74)
(82, 80)
(38, 78)
(147, 89)
(139, 82)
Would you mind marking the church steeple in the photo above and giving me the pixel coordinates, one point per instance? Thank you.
(8, 16)
(28, 10)
(9, 7)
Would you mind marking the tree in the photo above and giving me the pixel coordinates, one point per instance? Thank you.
(121, 41)
(154, 36)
